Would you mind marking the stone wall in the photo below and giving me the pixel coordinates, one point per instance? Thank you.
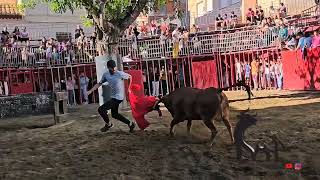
(26, 104)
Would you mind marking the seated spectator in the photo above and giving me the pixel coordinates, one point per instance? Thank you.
(24, 35)
(16, 33)
(219, 22)
(250, 16)
(282, 10)
(78, 32)
(315, 39)
(233, 19)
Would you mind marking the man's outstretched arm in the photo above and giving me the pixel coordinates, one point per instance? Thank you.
(95, 87)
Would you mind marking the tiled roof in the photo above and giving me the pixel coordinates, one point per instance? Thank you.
(9, 11)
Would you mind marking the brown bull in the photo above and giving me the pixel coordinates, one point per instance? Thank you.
(200, 104)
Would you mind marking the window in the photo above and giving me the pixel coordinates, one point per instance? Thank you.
(63, 36)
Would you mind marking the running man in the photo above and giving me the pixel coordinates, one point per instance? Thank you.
(115, 79)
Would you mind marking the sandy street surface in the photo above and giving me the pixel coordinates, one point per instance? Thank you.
(76, 149)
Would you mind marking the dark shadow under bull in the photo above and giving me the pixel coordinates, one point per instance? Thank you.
(200, 104)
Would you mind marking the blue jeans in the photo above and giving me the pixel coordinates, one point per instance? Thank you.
(84, 95)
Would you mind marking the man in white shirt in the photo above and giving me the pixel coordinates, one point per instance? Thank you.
(238, 70)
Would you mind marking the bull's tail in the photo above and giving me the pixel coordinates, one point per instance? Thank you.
(238, 84)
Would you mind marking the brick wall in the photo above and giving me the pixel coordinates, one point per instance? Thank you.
(26, 104)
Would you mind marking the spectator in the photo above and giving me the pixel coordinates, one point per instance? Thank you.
(81, 41)
(267, 74)
(43, 44)
(16, 33)
(93, 39)
(259, 15)
(144, 29)
(1, 89)
(261, 74)
(250, 16)
(5, 35)
(315, 39)
(247, 72)
(292, 43)
(136, 32)
(163, 44)
(282, 10)
(163, 78)
(49, 48)
(24, 35)
(277, 21)
(55, 54)
(56, 85)
(24, 55)
(219, 22)
(6, 85)
(155, 76)
(273, 78)
(233, 19)
(255, 71)
(279, 73)
(84, 81)
(238, 70)
(175, 40)
(70, 88)
(164, 27)
(283, 34)
(153, 28)
(194, 29)
(78, 31)
(226, 21)
(272, 12)
(305, 42)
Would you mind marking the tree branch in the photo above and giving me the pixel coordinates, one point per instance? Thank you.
(132, 15)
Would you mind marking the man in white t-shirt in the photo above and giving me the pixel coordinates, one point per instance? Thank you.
(238, 70)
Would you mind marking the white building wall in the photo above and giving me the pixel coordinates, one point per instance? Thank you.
(42, 22)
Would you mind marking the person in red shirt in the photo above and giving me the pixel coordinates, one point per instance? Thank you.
(144, 28)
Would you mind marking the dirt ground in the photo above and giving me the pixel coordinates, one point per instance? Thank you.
(76, 149)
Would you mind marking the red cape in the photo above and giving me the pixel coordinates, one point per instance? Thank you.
(140, 105)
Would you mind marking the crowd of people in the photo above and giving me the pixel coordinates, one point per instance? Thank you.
(16, 48)
(263, 73)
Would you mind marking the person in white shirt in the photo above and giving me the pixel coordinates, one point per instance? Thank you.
(1, 88)
(238, 70)
(267, 75)
(6, 86)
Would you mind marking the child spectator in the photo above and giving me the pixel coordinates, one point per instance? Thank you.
(315, 39)
(247, 72)
(255, 71)
(219, 22)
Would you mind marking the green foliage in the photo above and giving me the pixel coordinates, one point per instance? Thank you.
(86, 21)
